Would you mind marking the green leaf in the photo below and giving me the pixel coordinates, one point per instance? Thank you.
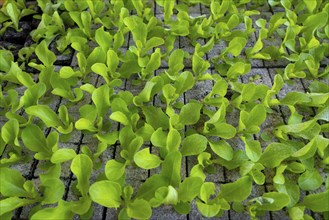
(189, 188)
(313, 22)
(165, 195)
(61, 211)
(173, 140)
(137, 27)
(147, 189)
(103, 38)
(22, 77)
(184, 82)
(13, 12)
(146, 94)
(193, 145)
(53, 190)
(109, 138)
(106, 193)
(47, 115)
(12, 203)
(85, 124)
(139, 209)
(101, 99)
(310, 4)
(153, 42)
(190, 113)
(33, 94)
(218, 10)
(114, 170)
(253, 148)
(112, 60)
(208, 210)
(233, 21)
(11, 182)
(138, 4)
(222, 130)
(183, 208)
(291, 189)
(34, 139)
(175, 62)
(96, 56)
(62, 155)
(199, 66)
(238, 69)
(154, 62)
(168, 9)
(207, 189)
(171, 168)
(6, 59)
(222, 149)
(159, 138)
(310, 180)
(273, 201)
(144, 159)
(156, 117)
(236, 191)
(275, 153)
(9, 132)
(120, 117)
(317, 202)
(251, 119)
(236, 45)
(81, 167)
(46, 56)
(308, 150)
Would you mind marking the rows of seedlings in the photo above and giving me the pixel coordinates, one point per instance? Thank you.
(164, 109)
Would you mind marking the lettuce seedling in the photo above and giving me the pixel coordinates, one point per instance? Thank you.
(13, 11)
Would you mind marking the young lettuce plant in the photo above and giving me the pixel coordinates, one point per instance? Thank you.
(139, 30)
(92, 116)
(50, 27)
(61, 122)
(63, 81)
(254, 52)
(13, 11)
(15, 192)
(109, 71)
(34, 139)
(9, 136)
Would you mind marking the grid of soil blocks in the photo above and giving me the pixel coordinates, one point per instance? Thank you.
(187, 109)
